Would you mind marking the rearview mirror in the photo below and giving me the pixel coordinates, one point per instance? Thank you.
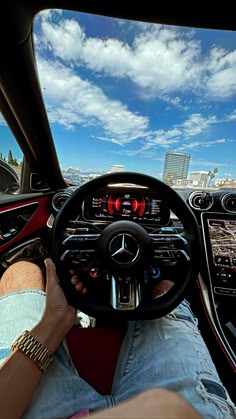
(9, 180)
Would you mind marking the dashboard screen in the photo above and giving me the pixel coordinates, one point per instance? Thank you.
(223, 242)
(140, 206)
(220, 242)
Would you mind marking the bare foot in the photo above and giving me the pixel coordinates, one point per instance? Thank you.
(75, 280)
(162, 288)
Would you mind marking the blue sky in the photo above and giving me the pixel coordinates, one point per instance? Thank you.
(120, 92)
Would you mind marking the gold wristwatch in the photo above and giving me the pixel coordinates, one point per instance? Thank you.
(32, 348)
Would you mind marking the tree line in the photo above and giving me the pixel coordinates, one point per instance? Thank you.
(10, 159)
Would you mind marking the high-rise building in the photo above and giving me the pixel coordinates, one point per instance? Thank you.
(176, 165)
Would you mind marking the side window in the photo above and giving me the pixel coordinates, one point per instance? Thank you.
(11, 158)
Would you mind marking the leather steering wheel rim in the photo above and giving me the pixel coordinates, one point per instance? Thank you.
(155, 308)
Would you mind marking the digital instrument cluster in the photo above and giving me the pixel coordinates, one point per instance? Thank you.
(139, 205)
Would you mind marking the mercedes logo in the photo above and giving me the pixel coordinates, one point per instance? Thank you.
(124, 249)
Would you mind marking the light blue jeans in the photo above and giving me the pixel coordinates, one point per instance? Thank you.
(168, 353)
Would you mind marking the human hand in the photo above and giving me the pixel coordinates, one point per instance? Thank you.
(57, 308)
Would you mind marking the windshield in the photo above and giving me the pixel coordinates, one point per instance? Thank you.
(133, 96)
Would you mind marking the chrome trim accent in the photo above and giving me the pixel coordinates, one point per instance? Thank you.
(123, 249)
(221, 293)
(158, 236)
(190, 198)
(126, 185)
(222, 200)
(50, 221)
(18, 207)
(205, 295)
(58, 194)
(64, 255)
(185, 254)
(84, 236)
(134, 295)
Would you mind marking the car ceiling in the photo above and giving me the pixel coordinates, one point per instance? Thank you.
(20, 93)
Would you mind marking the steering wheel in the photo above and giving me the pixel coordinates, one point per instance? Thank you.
(121, 260)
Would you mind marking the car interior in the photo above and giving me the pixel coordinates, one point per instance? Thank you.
(122, 231)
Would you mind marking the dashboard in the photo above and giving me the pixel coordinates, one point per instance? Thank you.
(215, 212)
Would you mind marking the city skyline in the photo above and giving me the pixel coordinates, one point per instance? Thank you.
(115, 167)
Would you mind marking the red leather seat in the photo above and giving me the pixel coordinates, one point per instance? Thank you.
(94, 352)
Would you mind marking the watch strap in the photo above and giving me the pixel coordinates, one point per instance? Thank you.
(32, 348)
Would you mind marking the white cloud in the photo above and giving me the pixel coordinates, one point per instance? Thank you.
(208, 164)
(221, 65)
(223, 83)
(193, 145)
(196, 124)
(72, 100)
(65, 38)
(231, 116)
(160, 60)
(175, 101)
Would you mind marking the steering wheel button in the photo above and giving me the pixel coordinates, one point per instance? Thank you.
(155, 273)
(224, 276)
(94, 272)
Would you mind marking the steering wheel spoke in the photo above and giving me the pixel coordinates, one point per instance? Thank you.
(125, 293)
(169, 249)
(79, 247)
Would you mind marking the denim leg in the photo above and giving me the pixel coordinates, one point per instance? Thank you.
(61, 391)
(170, 353)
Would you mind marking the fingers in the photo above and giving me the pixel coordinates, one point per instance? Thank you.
(51, 274)
(79, 286)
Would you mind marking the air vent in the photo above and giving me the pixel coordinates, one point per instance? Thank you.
(228, 202)
(201, 201)
(59, 199)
